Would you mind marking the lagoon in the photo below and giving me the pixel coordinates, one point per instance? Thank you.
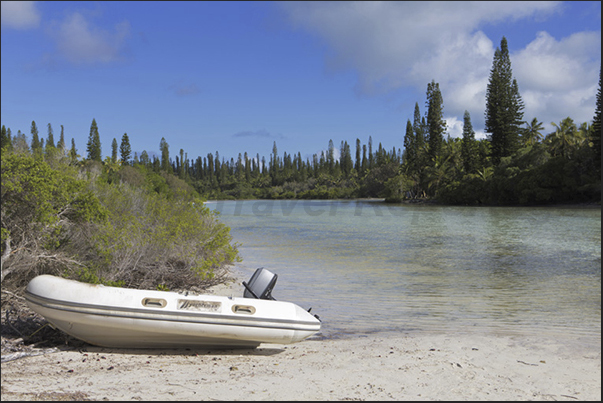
(369, 267)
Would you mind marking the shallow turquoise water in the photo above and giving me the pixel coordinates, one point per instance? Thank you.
(366, 267)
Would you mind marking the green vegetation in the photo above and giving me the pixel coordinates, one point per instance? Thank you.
(104, 222)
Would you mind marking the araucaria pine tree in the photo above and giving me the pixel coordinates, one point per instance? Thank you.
(436, 125)
(165, 155)
(36, 145)
(73, 152)
(409, 148)
(504, 106)
(93, 147)
(468, 145)
(50, 141)
(114, 150)
(61, 143)
(125, 150)
(418, 127)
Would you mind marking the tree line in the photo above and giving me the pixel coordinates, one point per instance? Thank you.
(515, 164)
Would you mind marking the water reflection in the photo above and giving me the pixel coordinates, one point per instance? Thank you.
(365, 266)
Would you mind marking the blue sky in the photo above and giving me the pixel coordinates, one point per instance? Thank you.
(235, 77)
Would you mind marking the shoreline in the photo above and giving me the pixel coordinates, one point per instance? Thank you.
(375, 367)
(425, 202)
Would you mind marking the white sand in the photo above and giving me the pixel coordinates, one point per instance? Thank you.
(428, 367)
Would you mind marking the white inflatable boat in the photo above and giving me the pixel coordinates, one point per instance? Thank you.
(122, 317)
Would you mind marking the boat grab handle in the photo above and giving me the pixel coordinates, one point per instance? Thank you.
(246, 309)
(154, 302)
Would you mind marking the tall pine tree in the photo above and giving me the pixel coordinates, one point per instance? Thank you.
(370, 153)
(358, 153)
(93, 147)
(73, 152)
(435, 122)
(346, 159)
(418, 127)
(409, 148)
(114, 150)
(36, 145)
(504, 106)
(125, 150)
(165, 155)
(468, 145)
(61, 143)
(420, 130)
(50, 140)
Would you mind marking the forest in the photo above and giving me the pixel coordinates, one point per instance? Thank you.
(517, 164)
(103, 219)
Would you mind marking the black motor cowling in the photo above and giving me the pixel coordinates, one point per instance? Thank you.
(260, 284)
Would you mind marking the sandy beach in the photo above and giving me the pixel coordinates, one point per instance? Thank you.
(426, 367)
(382, 366)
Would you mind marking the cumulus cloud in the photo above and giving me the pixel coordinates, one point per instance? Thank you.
(394, 45)
(19, 14)
(454, 128)
(391, 43)
(559, 78)
(80, 42)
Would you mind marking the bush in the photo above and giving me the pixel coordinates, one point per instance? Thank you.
(151, 240)
(40, 206)
(154, 235)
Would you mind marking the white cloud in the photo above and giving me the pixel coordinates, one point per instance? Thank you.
(78, 41)
(19, 14)
(393, 45)
(454, 128)
(547, 64)
(559, 78)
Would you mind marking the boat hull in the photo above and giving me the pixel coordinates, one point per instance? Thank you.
(121, 317)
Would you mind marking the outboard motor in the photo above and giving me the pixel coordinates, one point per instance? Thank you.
(260, 284)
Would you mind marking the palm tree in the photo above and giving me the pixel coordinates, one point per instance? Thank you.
(564, 138)
(531, 134)
(583, 133)
(485, 173)
(453, 153)
(439, 173)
